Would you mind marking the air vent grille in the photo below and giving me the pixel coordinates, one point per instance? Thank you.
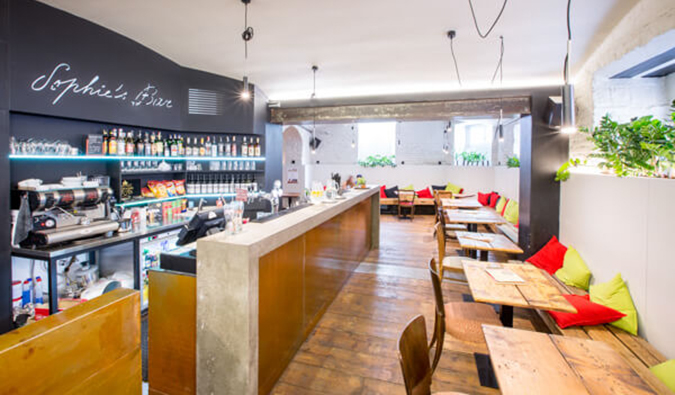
(205, 102)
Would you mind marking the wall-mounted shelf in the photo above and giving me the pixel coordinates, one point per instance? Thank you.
(136, 158)
(145, 202)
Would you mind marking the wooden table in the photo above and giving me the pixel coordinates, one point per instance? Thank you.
(528, 362)
(462, 195)
(485, 242)
(537, 292)
(461, 203)
(473, 218)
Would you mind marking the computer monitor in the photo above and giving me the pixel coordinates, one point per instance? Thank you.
(202, 224)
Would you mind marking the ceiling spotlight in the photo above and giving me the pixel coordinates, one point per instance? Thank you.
(247, 36)
(500, 132)
(246, 92)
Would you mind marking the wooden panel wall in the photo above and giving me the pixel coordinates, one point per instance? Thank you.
(299, 280)
(92, 348)
(172, 333)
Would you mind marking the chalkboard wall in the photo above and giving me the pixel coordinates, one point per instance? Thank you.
(62, 65)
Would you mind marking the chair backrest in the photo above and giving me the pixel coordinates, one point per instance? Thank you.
(438, 290)
(85, 349)
(406, 196)
(440, 236)
(413, 354)
(444, 194)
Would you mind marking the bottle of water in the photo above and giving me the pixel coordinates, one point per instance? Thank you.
(38, 290)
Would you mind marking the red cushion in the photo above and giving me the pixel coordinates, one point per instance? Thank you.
(550, 257)
(484, 198)
(494, 198)
(382, 195)
(588, 313)
(461, 190)
(424, 194)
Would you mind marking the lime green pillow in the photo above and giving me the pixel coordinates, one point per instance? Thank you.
(453, 188)
(614, 294)
(666, 373)
(511, 212)
(574, 271)
(500, 205)
(408, 188)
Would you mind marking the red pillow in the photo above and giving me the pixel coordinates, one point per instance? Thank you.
(550, 257)
(424, 194)
(494, 198)
(588, 313)
(382, 195)
(484, 198)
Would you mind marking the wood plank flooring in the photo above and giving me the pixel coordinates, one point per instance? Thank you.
(353, 348)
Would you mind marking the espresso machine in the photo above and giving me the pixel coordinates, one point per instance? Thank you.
(69, 214)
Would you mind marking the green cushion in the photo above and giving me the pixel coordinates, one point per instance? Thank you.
(500, 205)
(453, 188)
(666, 373)
(408, 188)
(614, 294)
(574, 271)
(511, 212)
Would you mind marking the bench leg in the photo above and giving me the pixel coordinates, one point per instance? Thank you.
(484, 256)
(506, 316)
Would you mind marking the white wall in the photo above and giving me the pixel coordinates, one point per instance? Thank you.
(507, 182)
(626, 225)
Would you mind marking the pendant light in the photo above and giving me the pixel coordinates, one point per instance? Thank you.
(247, 36)
(353, 138)
(499, 130)
(446, 146)
(568, 126)
(313, 142)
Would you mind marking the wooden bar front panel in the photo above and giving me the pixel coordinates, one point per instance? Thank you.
(172, 326)
(299, 280)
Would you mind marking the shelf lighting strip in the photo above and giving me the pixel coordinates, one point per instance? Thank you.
(168, 199)
(135, 158)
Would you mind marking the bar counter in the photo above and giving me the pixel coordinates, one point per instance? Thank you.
(261, 292)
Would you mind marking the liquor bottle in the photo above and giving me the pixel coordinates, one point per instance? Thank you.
(174, 146)
(153, 144)
(121, 144)
(130, 145)
(167, 148)
(147, 148)
(214, 148)
(140, 145)
(188, 148)
(251, 148)
(160, 144)
(181, 146)
(112, 142)
(244, 148)
(221, 147)
(202, 147)
(207, 147)
(257, 147)
(233, 149)
(104, 145)
(227, 146)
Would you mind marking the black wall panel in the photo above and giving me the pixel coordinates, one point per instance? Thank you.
(5, 259)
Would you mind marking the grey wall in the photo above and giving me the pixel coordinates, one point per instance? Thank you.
(5, 267)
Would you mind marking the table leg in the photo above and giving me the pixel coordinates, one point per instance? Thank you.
(473, 227)
(506, 316)
(53, 287)
(137, 264)
(486, 375)
(484, 256)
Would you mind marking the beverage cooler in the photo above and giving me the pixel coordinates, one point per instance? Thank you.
(150, 250)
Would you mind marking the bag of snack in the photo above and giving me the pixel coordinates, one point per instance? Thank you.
(146, 193)
(170, 188)
(180, 187)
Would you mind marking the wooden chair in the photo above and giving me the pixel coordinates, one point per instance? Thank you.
(406, 200)
(449, 229)
(413, 355)
(451, 263)
(461, 320)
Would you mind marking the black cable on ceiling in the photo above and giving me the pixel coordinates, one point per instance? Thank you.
(500, 64)
(475, 21)
(451, 34)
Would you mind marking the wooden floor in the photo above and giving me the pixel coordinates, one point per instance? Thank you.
(353, 348)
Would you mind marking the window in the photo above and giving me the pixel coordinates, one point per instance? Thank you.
(516, 140)
(376, 138)
(474, 136)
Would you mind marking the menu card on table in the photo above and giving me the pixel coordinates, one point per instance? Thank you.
(504, 276)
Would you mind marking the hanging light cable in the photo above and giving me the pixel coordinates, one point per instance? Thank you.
(568, 126)
(451, 35)
(247, 36)
(313, 142)
(475, 21)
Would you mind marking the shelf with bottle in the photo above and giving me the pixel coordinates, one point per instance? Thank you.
(145, 202)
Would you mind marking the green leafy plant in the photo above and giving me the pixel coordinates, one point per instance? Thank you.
(513, 161)
(563, 173)
(378, 161)
(645, 146)
(471, 158)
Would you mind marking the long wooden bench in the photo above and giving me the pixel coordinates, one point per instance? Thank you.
(91, 348)
(637, 351)
(418, 201)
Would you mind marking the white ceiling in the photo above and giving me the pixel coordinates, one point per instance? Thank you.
(362, 47)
